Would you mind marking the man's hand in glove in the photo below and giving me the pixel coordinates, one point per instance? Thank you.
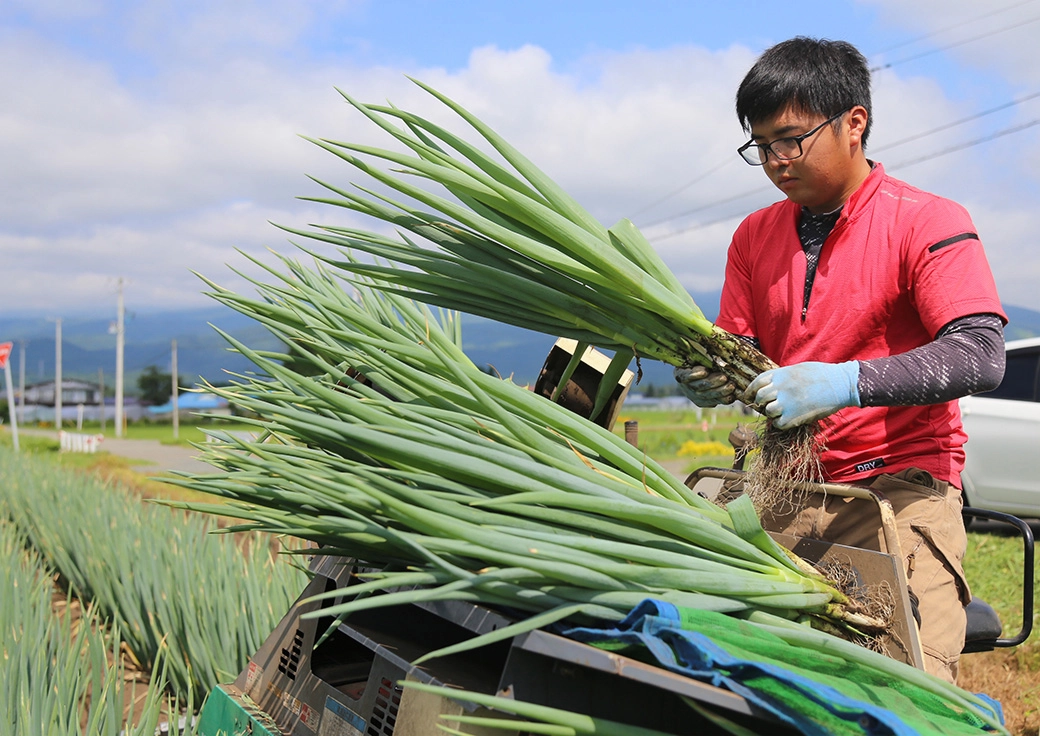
(703, 388)
(804, 392)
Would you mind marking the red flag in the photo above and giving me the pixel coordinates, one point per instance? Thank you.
(5, 353)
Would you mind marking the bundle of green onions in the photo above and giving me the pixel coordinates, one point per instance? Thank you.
(510, 245)
(377, 438)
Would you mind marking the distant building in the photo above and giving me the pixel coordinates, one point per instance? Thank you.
(72, 392)
(675, 403)
(80, 400)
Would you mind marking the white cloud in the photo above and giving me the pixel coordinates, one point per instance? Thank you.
(149, 176)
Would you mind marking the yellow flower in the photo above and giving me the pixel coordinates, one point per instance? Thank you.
(695, 449)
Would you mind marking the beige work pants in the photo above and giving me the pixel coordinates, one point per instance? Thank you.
(932, 540)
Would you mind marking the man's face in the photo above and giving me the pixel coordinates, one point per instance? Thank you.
(831, 165)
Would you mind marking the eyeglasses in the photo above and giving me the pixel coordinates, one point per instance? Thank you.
(785, 149)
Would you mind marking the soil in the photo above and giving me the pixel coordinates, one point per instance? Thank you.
(135, 680)
(1005, 676)
(153, 457)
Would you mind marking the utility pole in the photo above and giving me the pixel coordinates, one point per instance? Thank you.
(57, 374)
(21, 381)
(119, 361)
(101, 396)
(176, 411)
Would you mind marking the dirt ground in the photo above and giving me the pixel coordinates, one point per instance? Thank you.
(156, 457)
(148, 457)
(1007, 677)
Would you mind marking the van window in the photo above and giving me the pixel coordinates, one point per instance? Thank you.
(1020, 376)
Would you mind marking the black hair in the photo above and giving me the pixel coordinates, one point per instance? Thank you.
(814, 75)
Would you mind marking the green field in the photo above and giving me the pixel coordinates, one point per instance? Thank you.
(685, 439)
(188, 432)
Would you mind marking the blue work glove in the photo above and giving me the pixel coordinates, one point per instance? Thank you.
(704, 388)
(804, 392)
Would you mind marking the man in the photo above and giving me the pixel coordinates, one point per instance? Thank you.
(877, 301)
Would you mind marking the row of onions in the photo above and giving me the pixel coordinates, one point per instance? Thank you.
(378, 439)
(195, 603)
(59, 675)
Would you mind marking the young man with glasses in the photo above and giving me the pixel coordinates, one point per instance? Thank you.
(877, 301)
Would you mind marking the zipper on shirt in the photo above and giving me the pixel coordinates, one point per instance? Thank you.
(810, 230)
(810, 276)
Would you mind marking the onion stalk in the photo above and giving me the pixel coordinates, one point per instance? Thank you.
(505, 242)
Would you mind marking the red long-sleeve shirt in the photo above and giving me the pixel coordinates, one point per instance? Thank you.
(899, 264)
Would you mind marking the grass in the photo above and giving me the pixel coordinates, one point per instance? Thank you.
(128, 557)
(993, 565)
(118, 469)
(662, 435)
(188, 432)
(60, 668)
(684, 439)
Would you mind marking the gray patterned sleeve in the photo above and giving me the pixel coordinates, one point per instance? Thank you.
(966, 357)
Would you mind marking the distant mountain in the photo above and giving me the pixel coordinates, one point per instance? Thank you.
(522, 353)
(1022, 323)
(88, 346)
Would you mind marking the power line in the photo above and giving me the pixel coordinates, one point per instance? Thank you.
(951, 27)
(955, 44)
(901, 165)
(908, 42)
(908, 139)
(698, 226)
(969, 144)
(708, 206)
(683, 188)
(939, 31)
(961, 121)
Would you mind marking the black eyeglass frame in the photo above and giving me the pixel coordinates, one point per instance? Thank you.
(767, 148)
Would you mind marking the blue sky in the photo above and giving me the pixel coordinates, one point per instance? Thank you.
(146, 140)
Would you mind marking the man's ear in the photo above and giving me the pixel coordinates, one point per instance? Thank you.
(857, 122)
